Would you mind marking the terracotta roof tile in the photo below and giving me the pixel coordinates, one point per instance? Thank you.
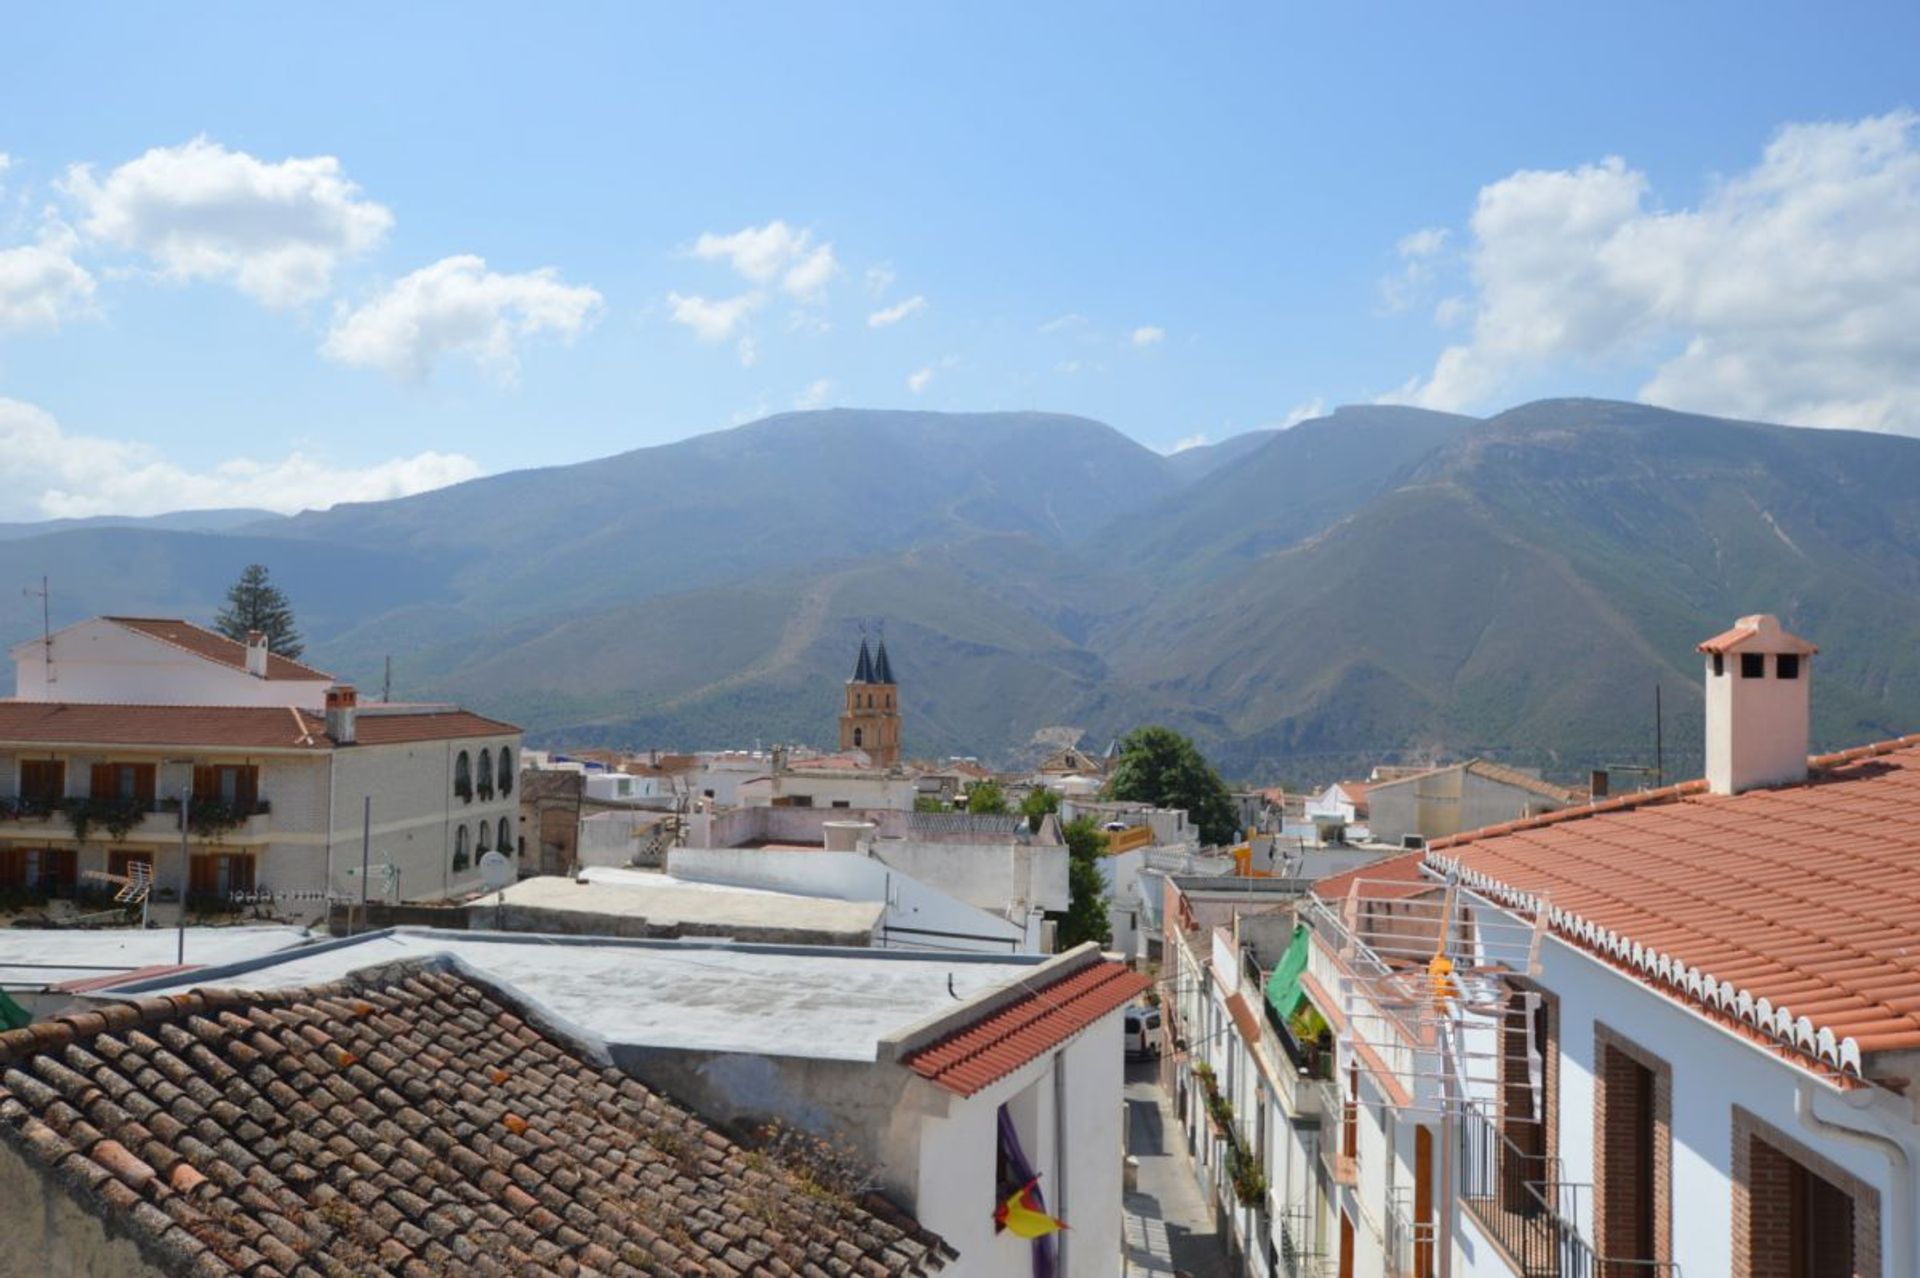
(1026, 1029)
(1796, 909)
(233, 727)
(1391, 878)
(214, 646)
(405, 1120)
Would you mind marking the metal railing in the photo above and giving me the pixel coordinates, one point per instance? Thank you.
(1526, 1205)
(1301, 1255)
(1410, 1241)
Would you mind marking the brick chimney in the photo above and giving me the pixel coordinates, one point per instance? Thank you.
(1759, 696)
(342, 707)
(257, 653)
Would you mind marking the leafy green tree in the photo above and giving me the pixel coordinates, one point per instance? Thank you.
(1161, 767)
(987, 797)
(255, 603)
(929, 803)
(1086, 917)
(1038, 803)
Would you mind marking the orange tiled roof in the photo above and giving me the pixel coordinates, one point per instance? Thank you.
(1793, 910)
(214, 646)
(230, 727)
(405, 1120)
(1394, 877)
(1751, 627)
(1026, 1029)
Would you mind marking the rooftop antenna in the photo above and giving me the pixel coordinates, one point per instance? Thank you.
(1659, 744)
(386, 684)
(46, 625)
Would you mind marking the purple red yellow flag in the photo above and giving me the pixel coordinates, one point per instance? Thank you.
(1024, 1217)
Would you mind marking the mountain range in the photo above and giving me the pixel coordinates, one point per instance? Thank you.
(1382, 583)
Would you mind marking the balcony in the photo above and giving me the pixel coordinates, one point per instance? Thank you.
(1525, 1205)
(110, 821)
(1301, 1256)
(1409, 1242)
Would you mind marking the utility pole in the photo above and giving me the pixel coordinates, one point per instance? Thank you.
(186, 867)
(1659, 743)
(386, 684)
(366, 854)
(46, 627)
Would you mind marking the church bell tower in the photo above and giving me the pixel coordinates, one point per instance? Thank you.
(871, 721)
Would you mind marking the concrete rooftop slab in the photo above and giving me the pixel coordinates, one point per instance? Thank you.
(34, 957)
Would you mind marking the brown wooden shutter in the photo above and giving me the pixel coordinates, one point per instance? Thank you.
(206, 783)
(144, 777)
(205, 876)
(102, 785)
(246, 790)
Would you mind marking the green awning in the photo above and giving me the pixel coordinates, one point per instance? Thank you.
(1283, 987)
(12, 1015)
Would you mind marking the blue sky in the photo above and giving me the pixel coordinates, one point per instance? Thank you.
(1186, 221)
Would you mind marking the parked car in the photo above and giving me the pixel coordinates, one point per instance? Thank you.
(1142, 1031)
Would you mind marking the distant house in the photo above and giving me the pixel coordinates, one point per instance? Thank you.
(1440, 802)
(1070, 761)
(123, 721)
(1344, 802)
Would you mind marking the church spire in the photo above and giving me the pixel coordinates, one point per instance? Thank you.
(863, 668)
(882, 668)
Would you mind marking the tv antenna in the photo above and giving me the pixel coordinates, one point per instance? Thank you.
(45, 594)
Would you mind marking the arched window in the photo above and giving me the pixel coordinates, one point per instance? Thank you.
(460, 847)
(505, 841)
(506, 772)
(463, 777)
(856, 739)
(484, 844)
(485, 777)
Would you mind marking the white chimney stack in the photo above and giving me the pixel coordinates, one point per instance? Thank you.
(1759, 697)
(342, 707)
(257, 653)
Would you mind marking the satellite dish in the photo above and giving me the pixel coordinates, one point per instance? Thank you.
(496, 871)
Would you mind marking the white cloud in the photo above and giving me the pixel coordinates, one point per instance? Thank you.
(457, 306)
(880, 278)
(1790, 292)
(897, 312)
(200, 211)
(1417, 250)
(1149, 335)
(749, 351)
(1198, 440)
(763, 254)
(918, 379)
(1060, 323)
(815, 395)
(41, 286)
(46, 472)
(811, 322)
(713, 319)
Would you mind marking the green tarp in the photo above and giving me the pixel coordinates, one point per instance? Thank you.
(12, 1015)
(1283, 987)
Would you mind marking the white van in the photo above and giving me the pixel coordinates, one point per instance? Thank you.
(1142, 1031)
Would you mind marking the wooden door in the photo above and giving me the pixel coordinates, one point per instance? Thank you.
(1423, 1202)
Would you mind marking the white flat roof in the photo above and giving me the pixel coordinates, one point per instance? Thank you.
(666, 901)
(766, 1000)
(50, 956)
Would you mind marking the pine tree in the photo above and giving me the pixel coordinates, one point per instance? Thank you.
(1161, 767)
(255, 603)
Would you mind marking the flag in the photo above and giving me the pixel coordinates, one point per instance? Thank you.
(1023, 1216)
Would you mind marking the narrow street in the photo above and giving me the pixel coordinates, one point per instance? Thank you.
(1169, 1225)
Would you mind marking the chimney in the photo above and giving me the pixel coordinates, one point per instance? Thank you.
(1759, 694)
(342, 707)
(1599, 783)
(257, 653)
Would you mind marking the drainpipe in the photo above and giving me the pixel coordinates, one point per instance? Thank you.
(1906, 1254)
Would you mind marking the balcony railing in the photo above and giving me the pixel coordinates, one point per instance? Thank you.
(1410, 1242)
(114, 820)
(1525, 1204)
(1301, 1255)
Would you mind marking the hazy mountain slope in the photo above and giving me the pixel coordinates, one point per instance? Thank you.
(225, 520)
(1203, 459)
(140, 570)
(1296, 484)
(1528, 585)
(785, 492)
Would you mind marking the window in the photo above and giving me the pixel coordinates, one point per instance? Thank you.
(38, 869)
(505, 840)
(841, 803)
(1801, 1215)
(131, 781)
(1787, 665)
(236, 785)
(506, 772)
(220, 876)
(484, 844)
(1633, 1100)
(485, 777)
(1753, 665)
(463, 777)
(43, 779)
(800, 801)
(857, 739)
(1719, 664)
